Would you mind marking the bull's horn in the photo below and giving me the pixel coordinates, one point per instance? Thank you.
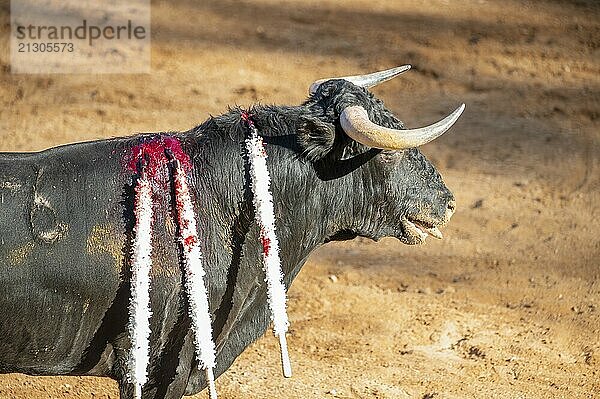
(355, 122)
(368, 80)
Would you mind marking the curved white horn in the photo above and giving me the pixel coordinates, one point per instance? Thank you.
(368, 80)
(355, 122)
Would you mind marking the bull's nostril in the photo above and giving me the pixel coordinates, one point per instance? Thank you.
(452, 205)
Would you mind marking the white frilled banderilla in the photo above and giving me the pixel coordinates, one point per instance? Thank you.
(139, 305)
(265, 217)
(194, 278)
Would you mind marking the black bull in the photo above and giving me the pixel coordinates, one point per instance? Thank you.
(66, 225)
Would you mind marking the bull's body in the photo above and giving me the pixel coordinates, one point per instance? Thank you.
(67, 223)
(66, 229)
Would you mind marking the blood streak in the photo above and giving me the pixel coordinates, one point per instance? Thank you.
(189, 241)
(184, 208)
(153, 149)
(266, 243)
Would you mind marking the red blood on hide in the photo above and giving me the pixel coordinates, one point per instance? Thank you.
(154, 152)
(246, 117)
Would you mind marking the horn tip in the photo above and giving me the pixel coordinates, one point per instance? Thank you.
(400, 69)
(456, 114)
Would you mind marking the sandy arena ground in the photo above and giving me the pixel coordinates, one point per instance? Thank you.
(507, 305)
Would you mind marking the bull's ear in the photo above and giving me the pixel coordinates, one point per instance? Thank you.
(316, 138)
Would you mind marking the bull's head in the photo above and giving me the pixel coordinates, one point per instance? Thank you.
(395, 191)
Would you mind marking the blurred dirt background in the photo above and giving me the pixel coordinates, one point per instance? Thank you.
(507, 305)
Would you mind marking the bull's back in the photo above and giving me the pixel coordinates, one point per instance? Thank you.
(62, 236)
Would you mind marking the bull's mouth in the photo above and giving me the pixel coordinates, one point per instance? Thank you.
(416, 231)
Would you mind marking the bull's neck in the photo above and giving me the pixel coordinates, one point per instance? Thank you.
(313, 203)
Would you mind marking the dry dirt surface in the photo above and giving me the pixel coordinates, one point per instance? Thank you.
(507, 305)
